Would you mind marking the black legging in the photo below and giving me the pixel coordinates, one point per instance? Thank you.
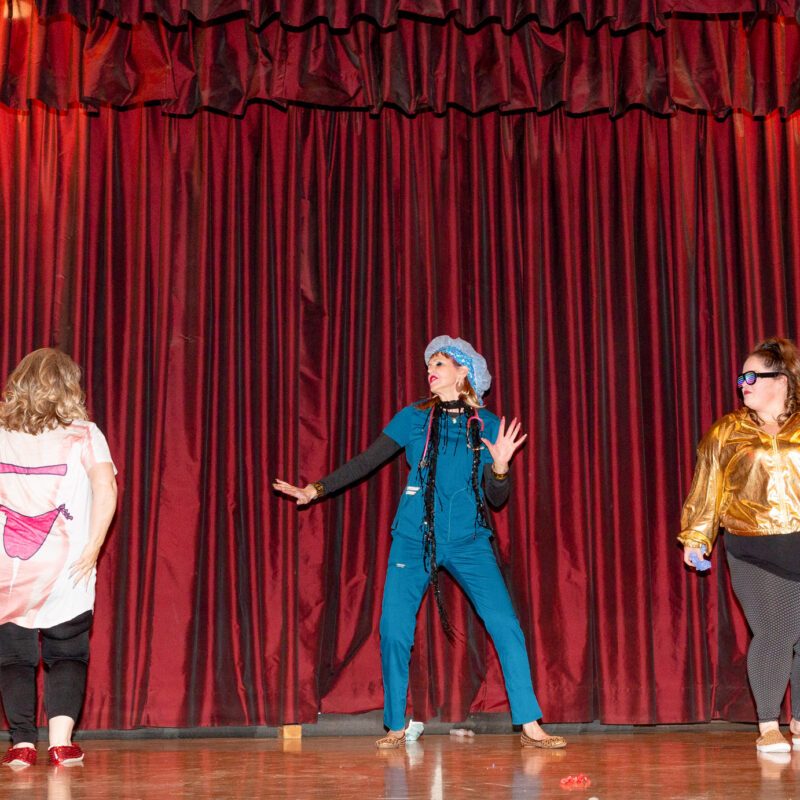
(65, 652)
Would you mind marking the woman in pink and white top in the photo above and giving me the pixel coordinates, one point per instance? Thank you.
(58, 495)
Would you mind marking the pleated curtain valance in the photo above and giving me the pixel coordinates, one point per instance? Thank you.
(620, 14)
(708, 64)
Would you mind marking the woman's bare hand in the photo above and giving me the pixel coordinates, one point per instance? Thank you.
(507, 443)
(687, 554)
(81, 570)
(302, 496)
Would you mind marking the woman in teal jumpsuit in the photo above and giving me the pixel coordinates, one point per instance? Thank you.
(459, 456)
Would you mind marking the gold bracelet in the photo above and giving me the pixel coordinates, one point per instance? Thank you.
(319, 487)
(499, 476)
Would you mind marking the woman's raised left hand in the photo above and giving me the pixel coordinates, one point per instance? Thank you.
(507, 443)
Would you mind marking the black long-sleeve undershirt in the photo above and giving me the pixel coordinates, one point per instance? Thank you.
(384, 448)
(358, 467)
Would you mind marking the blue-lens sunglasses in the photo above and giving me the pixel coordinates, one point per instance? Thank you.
(749, 378)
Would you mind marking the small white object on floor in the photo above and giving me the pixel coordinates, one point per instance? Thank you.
(461, 732)
(414, 731)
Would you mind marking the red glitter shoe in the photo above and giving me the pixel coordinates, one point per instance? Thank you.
(65, 754)
(20, 757)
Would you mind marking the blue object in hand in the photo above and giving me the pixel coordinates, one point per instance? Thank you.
(700, 564)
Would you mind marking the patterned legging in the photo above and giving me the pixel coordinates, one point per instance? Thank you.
(771, 604)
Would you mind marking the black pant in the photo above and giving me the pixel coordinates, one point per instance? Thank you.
(65, 652)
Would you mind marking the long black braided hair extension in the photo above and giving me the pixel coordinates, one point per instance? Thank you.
(429, 460)
(474, 438)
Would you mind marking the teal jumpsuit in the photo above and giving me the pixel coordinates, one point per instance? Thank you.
(462, 548)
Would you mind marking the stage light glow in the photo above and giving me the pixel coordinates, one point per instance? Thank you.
(18, 9)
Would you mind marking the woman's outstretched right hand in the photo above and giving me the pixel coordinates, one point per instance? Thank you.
(303, 496)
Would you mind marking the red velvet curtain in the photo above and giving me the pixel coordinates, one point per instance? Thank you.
(251, 295)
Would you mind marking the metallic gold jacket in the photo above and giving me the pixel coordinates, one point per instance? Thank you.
(745, 480)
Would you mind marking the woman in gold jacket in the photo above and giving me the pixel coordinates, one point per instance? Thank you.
(747, 481)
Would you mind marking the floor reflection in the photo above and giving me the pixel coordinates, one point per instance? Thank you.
(620, 766)
(407, 774)
(59, 781)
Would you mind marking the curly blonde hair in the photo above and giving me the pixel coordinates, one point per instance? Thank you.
(43, 393)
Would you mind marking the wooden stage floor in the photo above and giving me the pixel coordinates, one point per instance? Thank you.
(628, 765)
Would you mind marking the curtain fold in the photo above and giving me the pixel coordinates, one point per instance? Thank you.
(251, 297)
(714, 65)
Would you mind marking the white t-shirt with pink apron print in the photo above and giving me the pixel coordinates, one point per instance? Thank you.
(45, 507)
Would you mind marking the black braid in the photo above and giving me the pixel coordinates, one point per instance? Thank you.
(428, 530)
(474, 438)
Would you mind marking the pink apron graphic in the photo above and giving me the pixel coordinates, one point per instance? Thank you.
(23, 536)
